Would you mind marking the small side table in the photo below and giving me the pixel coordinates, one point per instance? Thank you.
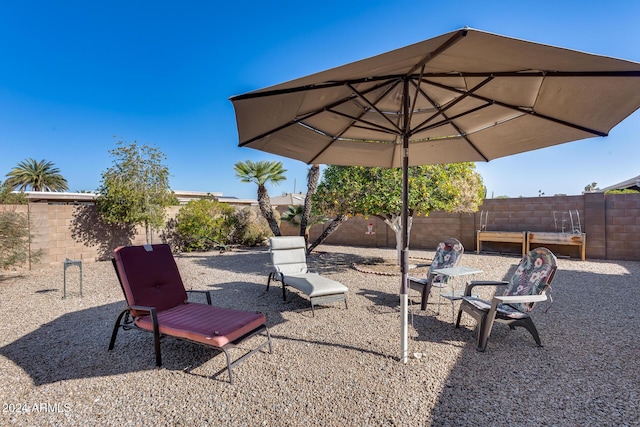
(454, 272)
(68, 263)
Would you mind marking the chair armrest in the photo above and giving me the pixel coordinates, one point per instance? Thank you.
(198, 291)
(474, 283)
(142, 308)
(507, 299)
(423, 280)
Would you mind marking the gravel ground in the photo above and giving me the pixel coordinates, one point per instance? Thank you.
(339, 368)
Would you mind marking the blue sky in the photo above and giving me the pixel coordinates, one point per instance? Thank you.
(76, 76)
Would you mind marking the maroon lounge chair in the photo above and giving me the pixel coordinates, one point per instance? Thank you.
(157, 302)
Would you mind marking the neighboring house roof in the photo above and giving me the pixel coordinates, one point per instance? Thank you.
(630, 184)
(58, 197)
(288, 199)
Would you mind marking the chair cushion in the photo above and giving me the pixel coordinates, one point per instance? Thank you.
(503, 310)
(448, 254)
(315, 285)
(288, 254)
(532, 275)
(207, 324)
(150, 276)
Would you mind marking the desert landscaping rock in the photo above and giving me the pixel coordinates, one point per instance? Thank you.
(339, 368)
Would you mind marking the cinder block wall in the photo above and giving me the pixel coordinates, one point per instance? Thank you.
(66, 231)
(622, 227)
(611, 223)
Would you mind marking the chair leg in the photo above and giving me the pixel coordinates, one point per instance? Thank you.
(527, 323)
(116, 327)
(484, 330)
(269, 280)
(156, 337)
(459, 315)
(231, 364)
(226, 353)
(426, 291)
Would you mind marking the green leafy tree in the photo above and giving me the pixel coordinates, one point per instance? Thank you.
(8, 197)
(349, 190)
(262, 173)
(135, 190)
(203, 224)
(37, 176)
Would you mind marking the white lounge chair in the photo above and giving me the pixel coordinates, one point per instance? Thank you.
(288, 256)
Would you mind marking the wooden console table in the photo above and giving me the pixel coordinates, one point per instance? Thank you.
(502, 236)
(558, 239)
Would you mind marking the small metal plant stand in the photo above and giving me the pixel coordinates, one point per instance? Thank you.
(68, 263)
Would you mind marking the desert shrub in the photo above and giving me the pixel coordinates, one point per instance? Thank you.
(201, 224)
(14, 239)
(251, 229)
(7, 197)
(623, 191)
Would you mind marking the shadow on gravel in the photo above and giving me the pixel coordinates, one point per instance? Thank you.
(260, 262)
(328, 344)
(75, 346)
(586, 373)
(9, 277)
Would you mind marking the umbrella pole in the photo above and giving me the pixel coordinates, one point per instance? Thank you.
(404, 252)
(404, 267)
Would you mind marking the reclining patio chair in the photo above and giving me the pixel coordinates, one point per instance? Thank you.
(448, 254)
(157, 302)
(288, 256)
(527, 286)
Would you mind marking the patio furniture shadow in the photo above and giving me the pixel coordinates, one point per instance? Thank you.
(323, 262)
(584, 375)
(88, 227)
(74, 346)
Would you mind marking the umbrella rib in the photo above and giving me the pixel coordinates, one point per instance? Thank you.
(330, 84)
(459, 35)
(373, 106)
(355, 120)
(311, 114)
(441, 111)
(520, 109)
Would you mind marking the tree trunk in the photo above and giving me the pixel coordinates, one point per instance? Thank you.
(333, 226)
(147, 227)
(395, 223)
(267, 210)
(312, 184)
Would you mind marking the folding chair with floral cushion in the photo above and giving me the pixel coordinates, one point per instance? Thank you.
(527, 286)
(448, 254)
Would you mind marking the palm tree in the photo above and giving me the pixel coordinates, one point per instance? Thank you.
(261, 173)
(312, 184)
(37, 175)
(295, 214)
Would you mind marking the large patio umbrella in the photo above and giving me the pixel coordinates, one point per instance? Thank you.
(463, 96)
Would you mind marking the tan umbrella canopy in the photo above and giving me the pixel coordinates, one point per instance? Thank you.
(463, 96)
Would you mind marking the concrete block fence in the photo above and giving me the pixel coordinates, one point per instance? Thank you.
(611, 223)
